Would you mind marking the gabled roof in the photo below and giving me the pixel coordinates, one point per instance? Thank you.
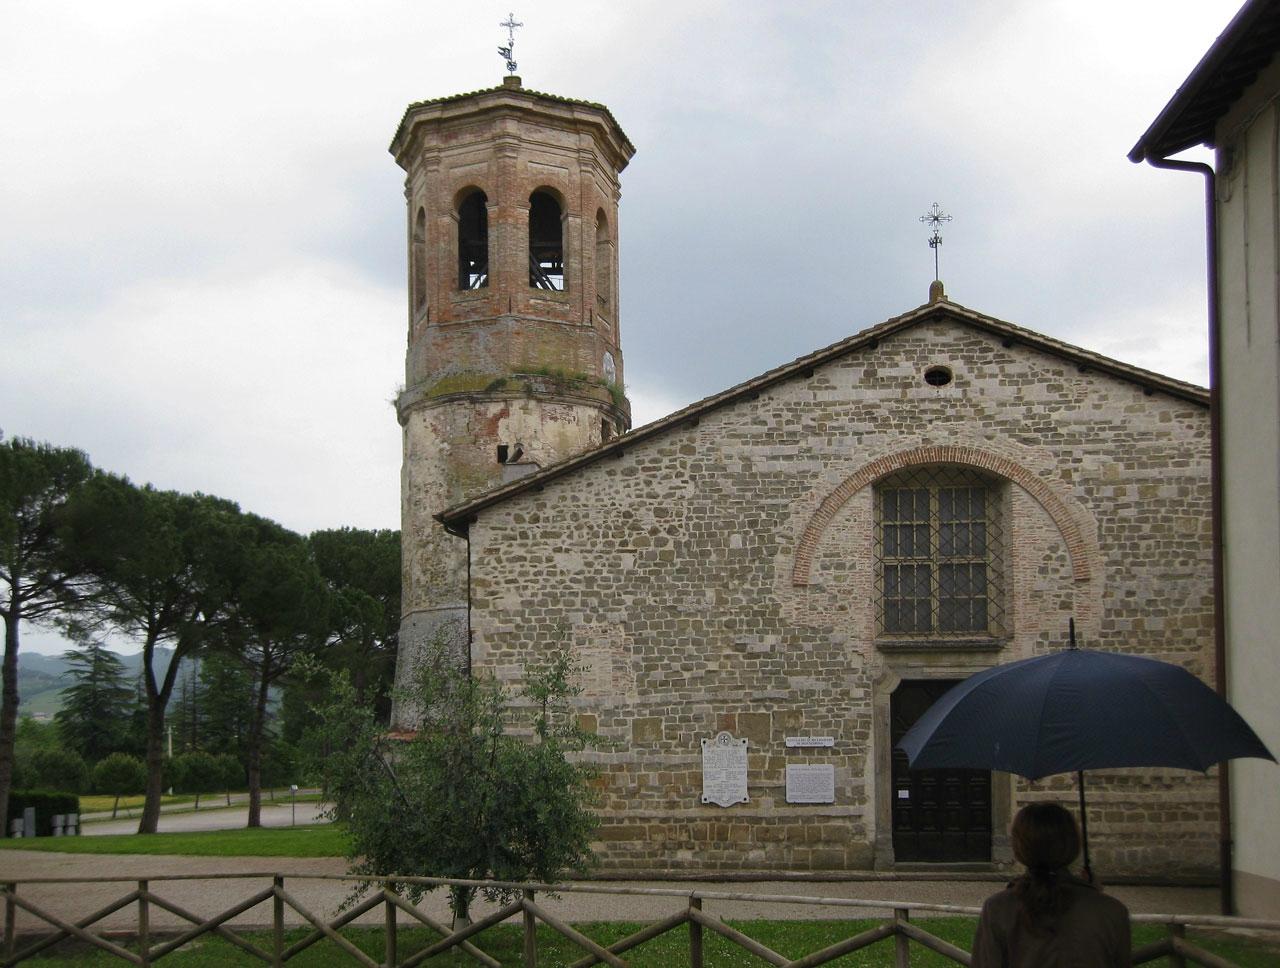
(1243, 49)
(457, 518)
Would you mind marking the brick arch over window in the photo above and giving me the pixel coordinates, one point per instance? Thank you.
(1054, 506)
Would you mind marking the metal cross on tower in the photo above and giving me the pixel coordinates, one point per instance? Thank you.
(511, 24)
(935, 217)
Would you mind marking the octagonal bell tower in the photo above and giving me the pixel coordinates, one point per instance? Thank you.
(513, 357)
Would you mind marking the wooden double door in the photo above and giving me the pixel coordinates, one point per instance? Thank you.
(939, 816)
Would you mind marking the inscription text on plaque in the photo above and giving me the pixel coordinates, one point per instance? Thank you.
(811, 783)
(807, 742)
(724, 770)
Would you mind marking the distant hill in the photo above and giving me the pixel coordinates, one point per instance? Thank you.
(41, 679)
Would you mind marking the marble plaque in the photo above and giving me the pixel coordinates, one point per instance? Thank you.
(808, 742)
(724, 770)
(811, 783)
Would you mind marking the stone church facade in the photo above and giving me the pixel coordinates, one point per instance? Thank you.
(819, 551)
(802, 562)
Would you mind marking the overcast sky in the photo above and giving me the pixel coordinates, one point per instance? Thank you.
(202, 233)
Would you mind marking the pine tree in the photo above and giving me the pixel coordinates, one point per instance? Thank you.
(162, 564)
(96, 710)
(226, 694)
(362, 570)
(188, 717)
(39, 576)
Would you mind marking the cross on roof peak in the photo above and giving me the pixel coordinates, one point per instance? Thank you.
(511, 23)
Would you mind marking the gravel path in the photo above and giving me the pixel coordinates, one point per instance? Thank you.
(207, 896)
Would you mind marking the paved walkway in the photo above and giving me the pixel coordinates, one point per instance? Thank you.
(216, 817)
(317, 885)
(209, 801)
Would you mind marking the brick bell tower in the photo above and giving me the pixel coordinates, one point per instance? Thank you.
(514, 358)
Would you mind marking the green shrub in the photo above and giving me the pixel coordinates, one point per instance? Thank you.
(57, 768)
(230, 774)
(196, 772)
(47, 803)
(119, 775)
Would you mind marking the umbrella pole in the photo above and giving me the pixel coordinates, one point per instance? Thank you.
(1084, 827)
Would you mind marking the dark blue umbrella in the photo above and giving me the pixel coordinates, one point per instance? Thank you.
(1080, 710)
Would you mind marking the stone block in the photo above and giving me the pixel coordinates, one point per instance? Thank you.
(646, 730)
(757, 727)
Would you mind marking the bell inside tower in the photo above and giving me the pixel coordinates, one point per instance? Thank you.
(546, 243)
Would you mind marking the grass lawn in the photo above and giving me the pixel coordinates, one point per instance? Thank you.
(318, 840)
(791, 938)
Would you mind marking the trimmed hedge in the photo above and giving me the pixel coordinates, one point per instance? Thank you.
(46, 802)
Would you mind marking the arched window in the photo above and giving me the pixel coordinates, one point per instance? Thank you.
(939, 554)
(546, 243)
(604, 260)
(418, 260)
(473, 242)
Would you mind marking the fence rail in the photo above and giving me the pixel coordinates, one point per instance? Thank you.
(386, 892)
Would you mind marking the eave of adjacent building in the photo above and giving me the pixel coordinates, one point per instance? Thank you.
(1244, 48)
(457, 519)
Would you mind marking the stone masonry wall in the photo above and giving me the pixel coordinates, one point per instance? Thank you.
(720, 577)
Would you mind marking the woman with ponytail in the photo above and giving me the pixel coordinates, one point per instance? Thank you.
(1047, 918)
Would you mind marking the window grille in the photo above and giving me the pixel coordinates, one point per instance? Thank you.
(939, 554)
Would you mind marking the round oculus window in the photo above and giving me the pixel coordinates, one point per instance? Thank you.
(937, 376)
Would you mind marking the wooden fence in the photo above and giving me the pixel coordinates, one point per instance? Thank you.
(899, 931)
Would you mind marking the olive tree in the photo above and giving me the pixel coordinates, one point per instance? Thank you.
(485, 789)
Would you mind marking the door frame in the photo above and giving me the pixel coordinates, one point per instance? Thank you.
(953, 667)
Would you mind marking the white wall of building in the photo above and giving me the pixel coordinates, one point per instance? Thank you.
(1248, 188)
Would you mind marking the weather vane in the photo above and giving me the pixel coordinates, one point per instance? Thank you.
(511, 23)
(935, 217)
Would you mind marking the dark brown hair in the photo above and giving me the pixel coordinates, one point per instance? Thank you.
(1045, 838)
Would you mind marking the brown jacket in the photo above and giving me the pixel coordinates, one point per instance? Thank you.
(1093, 932)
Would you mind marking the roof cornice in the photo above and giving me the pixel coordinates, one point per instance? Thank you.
(510, 97)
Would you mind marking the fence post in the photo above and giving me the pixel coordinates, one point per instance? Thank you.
(144, 924)
(530, 935)
(695, 934)
(901, 943)
(389, 921)
(277, 922)
(10, 920)
(1176, 932)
